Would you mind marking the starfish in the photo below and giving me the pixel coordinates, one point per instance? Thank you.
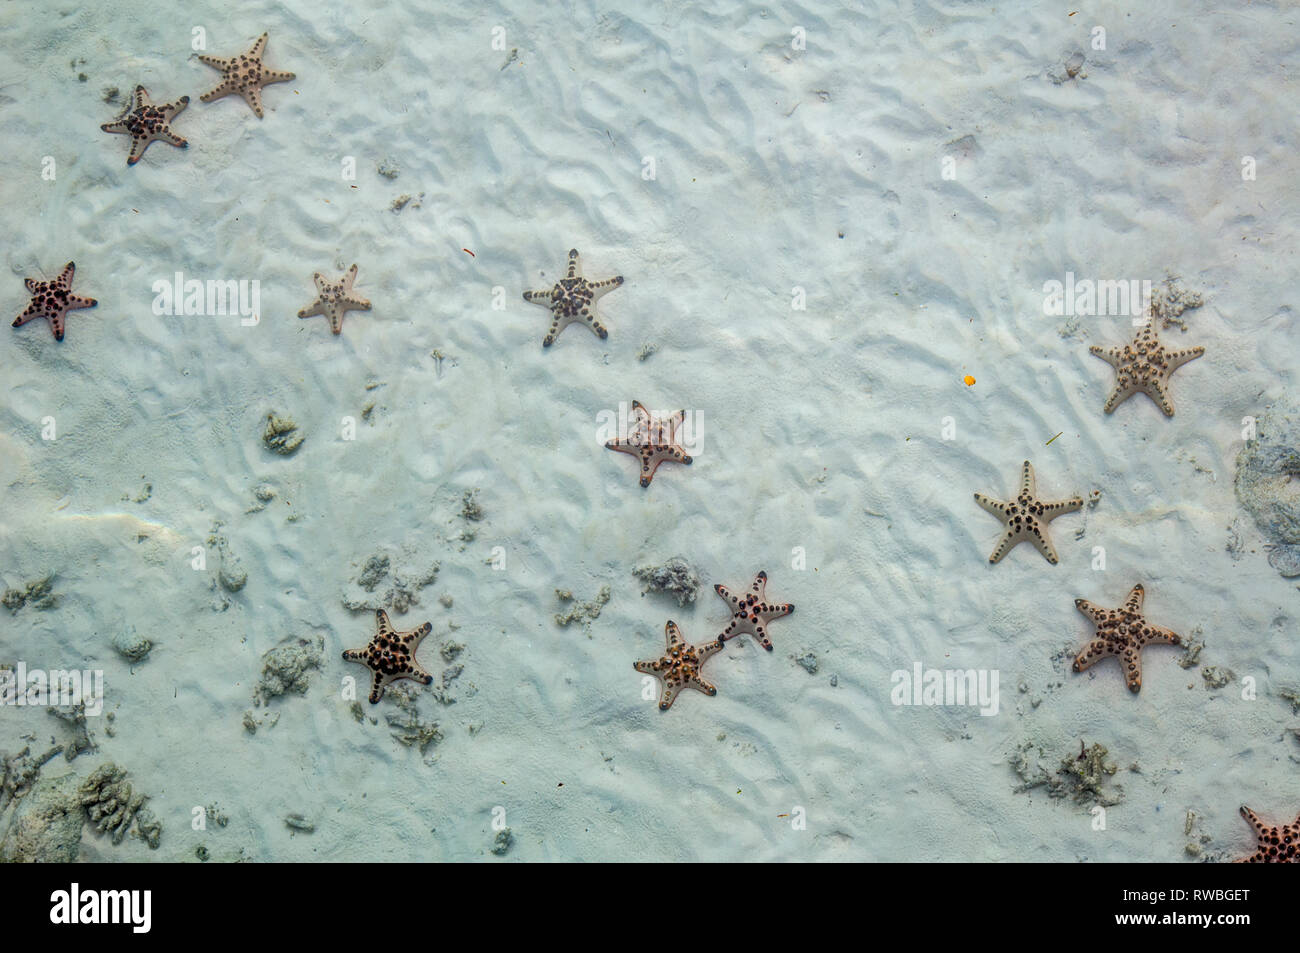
(334, 298)
(680, 666)
(53, 300)
(752, 612)
(652, 440)
(1123, 633)
(1277, 845)
(1027, 517)
(573, 298)
(245, 75)
(391, 655)
(1144, 366)
(144, 122)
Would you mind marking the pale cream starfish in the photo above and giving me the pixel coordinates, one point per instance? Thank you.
(652, 441)
(245, 75)
(1123, 633)
(145, 122)
(1144, 365)
(335, 298)
(751, 612)
(573, 298)
(391, 655)
(680, 666)
(1026, 517)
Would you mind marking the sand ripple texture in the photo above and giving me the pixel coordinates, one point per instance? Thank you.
(781, 176)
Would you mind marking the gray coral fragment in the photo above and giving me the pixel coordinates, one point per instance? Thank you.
(112, 806)
(675, 577)
(1268, 485)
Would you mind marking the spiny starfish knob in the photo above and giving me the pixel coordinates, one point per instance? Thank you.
(1026, 517)
(751, 612)
(335, 298)
(391, 655)
(53, 300)
(573, 298)
(1144, 365)
(1277, 845)
(1123, 633)
(652, 441)
(245, 75)
(680, 666)
(144, 122)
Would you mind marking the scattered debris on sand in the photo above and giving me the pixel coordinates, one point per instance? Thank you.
(74, 715)
(502, 843)
(38, 594)
(1081, 777)
(1268, 485)
(675, 577)
(112, 805)
(286, 669)
(1169, 300)
(383, 583)
(584, 612)
(281, 435)
(131, 645)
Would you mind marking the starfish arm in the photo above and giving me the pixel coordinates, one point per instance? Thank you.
(354, 655)
(377, 683)
(349, 277)
(31, 284)
(1118, 396)
(138, 145)
(1136, 596)
(1096, 613)
(647, 667)
(259, 47)
(1155, 389)
(253, 96)
(700, 685)
(66, 275)
(1176, 359)
(76, 302)
(1043, 543)
(542, 297)
(418, 674)
(1051, 510)
(672, 634)
(1009, 539)
(1113, 356)
(1159, 635)
(726, 594)
(1131, 659)
(558, 324)
(335, 314)
(601, 288)
(1027, 482)
(276, 76)
(778, 611)
(990, 505)
(732, 630)
(225, 88)
(169, 137)
(316, 307)
(172, 110)
(575, 265)
(667, 696)
(382, 625)
(760, 633)
(215, 62)
(1253, 820)
(416, 636)
(1092, 653)
(356, 302)
(591, 321)
(642, 415)
(649, 466)
(31, 312)
(118, 126)
(709, 650)
(57, 324)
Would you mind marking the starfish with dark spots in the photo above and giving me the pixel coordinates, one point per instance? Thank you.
(751, 612)
(335, 298)
(1123, 633)
(573, 298)
(391, 655)
(652, 441)
(245, 75)
(1144, 365)
(1026, 517)
(1277, 845)
(53, 300)
(145, 122)
(680, 666)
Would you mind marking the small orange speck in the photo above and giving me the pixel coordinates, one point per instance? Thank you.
(468, 252)
(969, 381)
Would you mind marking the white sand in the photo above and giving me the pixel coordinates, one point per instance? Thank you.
(813, 420)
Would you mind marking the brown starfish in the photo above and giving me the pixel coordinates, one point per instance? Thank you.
(144, 122)
(1123, 633)
(391, 655)
(1026, 517)
(335, 298)
(1277, 845)
(652, 440)
(1145, 366)
(751, 613)
(245, 75)
(573, 298)
(53, 300)
(680, 666)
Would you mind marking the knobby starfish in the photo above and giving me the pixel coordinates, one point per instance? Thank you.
(144, 122)
(53, 300)
(1027, 517)
(680, 666)
(391, 655)
(245, 74)
(1277, 845)
(573, 298)
(1123, 633)
(1145, 366)
(335, 298)
(652, 441)
(751, 612)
